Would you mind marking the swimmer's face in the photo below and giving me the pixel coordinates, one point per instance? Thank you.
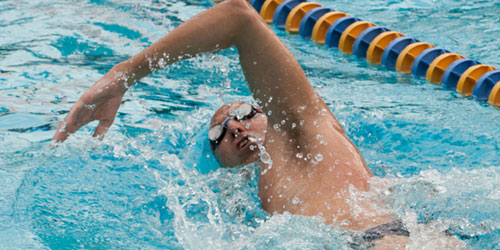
(239, 143)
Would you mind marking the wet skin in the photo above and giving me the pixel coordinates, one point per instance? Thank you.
(314, 164)
(239, 144)
(312, 180)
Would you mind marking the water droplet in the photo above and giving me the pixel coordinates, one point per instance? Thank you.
(276, 127)
(162, 63)
(318, 157)
(265, 157)
(247, 126)
(294, 125)
(269, 112)
(302, 108)
(283, 122)
(299, 155)
(295, 200)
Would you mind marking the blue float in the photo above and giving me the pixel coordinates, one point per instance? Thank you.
(422, 62)
(257, 4)
(365, 39)
(336, 29)
(485, 84)
(452, 74)
(310, 19)
(393, 49)
(282, 11)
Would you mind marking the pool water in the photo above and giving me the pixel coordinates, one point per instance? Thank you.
(152, 183)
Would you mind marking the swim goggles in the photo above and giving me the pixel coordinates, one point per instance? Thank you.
(244, 112)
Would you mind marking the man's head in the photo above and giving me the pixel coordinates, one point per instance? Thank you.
(235, 130)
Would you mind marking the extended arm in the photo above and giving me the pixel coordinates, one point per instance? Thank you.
(270, 69)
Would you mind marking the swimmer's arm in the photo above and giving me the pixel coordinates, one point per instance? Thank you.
(271, 70)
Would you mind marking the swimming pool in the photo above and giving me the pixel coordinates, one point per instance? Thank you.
(152, 184)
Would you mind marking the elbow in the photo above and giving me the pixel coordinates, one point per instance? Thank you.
(242, 14)
(238, 7)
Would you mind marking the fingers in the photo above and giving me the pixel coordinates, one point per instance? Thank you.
(71, 123)
(81, 114)
(61, 133)
(102, 128)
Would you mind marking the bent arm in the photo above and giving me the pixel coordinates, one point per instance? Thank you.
(271, 70)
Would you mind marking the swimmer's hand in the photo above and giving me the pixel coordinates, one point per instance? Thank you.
(100, 102)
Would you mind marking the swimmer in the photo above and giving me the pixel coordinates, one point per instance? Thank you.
(313, 163)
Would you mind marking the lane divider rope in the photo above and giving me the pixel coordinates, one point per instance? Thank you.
(381, 46)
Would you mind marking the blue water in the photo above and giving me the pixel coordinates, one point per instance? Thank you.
(152, 183)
